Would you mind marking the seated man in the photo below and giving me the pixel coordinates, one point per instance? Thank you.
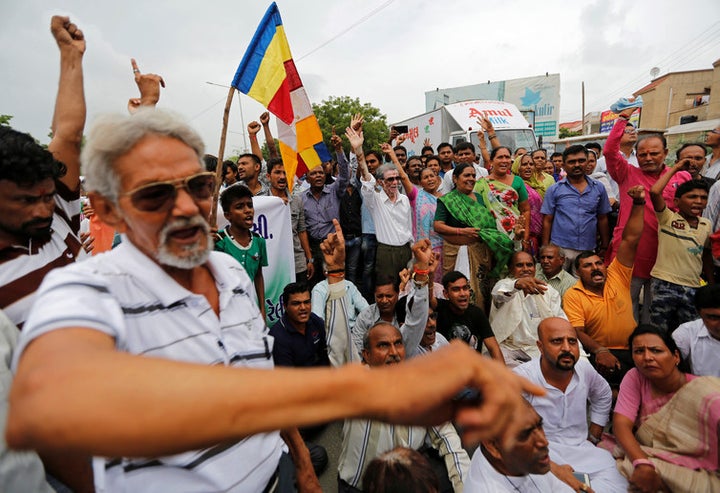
(431, 340)
(525, 466)
(459, 319)
(699, 340)
(386, 299)
(363, 440)
(353, 299)
(599, 305)
(519, 303)
(552, 261)
(571, 382)
(300, 334)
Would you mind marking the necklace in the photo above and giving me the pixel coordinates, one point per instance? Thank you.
(518, 489)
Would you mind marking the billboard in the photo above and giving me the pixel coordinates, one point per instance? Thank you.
(536, 97)
(607, 120)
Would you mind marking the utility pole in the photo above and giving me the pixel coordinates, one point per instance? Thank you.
(583, 108)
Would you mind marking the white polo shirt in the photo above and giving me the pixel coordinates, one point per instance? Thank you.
(697, 345)
(126, 295)
(393, 220)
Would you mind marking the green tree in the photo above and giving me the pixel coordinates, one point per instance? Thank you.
(337, 111)
(564, 133)
(5, 120)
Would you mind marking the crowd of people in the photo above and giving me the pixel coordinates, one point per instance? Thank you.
(562, 312)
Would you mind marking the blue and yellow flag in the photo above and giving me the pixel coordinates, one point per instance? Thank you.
(267, 74)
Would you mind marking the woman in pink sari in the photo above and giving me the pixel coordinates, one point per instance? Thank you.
(666, 420)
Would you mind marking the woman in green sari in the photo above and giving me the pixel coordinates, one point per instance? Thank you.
(506, 197)
(462, 219)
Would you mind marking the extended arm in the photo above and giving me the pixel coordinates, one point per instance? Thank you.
(633, 228)
(149, 87)
(417, 301)
(617, 165)
(307, 481)
(253, 128)
(269, 140)
(69, 117)
(404, 179)
(656, 192)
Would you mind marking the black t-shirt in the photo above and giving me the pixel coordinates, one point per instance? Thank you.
(471, 323)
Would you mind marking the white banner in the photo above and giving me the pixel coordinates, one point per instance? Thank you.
(272, 222)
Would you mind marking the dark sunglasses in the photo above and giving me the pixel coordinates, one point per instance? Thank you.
(161, 195)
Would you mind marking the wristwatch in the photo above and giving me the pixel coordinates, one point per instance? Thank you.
(311, 260)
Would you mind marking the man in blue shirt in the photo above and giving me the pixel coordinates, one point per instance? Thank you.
(575, 209)
(300, 334)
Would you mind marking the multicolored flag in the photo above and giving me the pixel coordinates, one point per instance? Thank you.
(267, 74)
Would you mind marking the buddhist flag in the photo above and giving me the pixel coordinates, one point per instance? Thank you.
(267, 74)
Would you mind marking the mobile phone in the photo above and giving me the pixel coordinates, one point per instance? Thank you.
(401, 129)
(582, 477)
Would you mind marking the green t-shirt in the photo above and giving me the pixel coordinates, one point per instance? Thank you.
(252, 257)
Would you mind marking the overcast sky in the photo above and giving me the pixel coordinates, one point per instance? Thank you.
(388, 53)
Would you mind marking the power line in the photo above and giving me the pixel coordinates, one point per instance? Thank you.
(348, 29)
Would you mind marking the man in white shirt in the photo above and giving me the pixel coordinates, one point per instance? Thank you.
(699, 340)
(524, 467)
(519, 303)
(571, 382)
(390, 211)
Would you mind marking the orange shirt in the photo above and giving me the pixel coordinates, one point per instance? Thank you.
(608, 319)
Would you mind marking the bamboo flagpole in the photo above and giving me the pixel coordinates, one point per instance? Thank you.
(218, 169)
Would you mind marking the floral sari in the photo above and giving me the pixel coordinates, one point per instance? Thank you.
(502, 201)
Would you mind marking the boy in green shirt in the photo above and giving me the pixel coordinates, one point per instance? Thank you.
(238, 240)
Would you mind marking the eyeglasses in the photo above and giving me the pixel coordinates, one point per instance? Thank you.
(392, 178)
(161, 195)
(630, 130)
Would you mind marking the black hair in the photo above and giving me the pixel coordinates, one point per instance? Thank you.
(584, 254)
(232, 193)
(25, 162)
(707, 297)
(689, 186)
(593, 145)
(401, 470)
(443, 145)
(541, 149)
(452, 276)
(229, 164)
(652, 136)
(387, 280)
(251, 156)
(464, 145)
(427, 148)
(494, 152)
(666, 337)
(689, 144)
(272, 162)
(376, 154)
(293, 288)
(397, 148)
(574, 149)
(210, 162)
(555, 154)
(457, 171)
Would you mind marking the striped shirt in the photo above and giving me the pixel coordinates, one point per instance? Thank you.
(23, 267)
(126, 295)
(364, 440)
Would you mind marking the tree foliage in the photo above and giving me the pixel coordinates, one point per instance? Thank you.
(337, 111)
(5, 120)
(564, 133)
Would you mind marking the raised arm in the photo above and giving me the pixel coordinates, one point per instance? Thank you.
(343, 178)
(149, 87)
(617, 165)
(356, 140)
(269, 140)
(404, 179)
(656, 192)
(69, 117)
(253, 128)
(633, 228)
(417, 301)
